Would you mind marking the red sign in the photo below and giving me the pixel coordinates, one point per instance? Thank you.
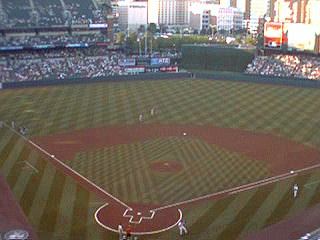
(273, 34)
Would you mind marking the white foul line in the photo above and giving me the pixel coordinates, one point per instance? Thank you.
(243, 187)
(69, 168)
(233, 190)
(228, 191)
(135, 233)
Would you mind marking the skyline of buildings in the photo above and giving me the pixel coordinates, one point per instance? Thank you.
(203, 14)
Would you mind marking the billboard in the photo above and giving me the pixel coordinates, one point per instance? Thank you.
(273, 34)
(98, 25)
(159, 61)
(169, 69)
(134, 70)
(127, 62)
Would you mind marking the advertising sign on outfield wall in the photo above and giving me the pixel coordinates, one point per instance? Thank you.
(127, 62)
(159, 61)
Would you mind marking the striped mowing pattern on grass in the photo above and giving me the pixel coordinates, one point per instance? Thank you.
(284, 111)
(223, 169)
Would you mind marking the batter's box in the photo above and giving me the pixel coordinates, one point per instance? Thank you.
(137, 216)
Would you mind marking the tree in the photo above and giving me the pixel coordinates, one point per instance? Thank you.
(239, 38)
(120, 38)
(152, 28)
(131, 42)
(142, 29)
(250, 40)
(203, 31)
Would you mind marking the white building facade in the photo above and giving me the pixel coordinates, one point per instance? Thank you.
(258, 9)
(229, 18)
(203, 15)
(132, 15)
(169, 12)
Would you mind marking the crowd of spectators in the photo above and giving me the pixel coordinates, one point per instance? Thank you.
(59, 64)
(47, 13)
(61, 39)
(286, 66)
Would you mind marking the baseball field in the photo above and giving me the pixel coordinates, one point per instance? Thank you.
(221, 155)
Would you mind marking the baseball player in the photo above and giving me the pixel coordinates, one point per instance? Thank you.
(182, 227)
(120, 231)
(152, 111)
(295, 190)
(140, 117)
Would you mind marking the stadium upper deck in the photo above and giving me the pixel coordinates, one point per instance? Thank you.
(47, 13)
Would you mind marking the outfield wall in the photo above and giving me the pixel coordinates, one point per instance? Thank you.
(241, 77)
(226, 76)
(216, 58)
(52, 82)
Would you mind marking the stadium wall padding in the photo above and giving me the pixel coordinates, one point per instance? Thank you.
(52, 82)
(237, 77)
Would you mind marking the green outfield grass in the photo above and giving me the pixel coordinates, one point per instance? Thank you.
(60, 208)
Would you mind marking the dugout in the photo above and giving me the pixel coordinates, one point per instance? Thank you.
(216, 57)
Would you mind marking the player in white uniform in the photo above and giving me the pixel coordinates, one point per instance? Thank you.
(140, 117)
(182, 227)
(120, 231)
(295, 190)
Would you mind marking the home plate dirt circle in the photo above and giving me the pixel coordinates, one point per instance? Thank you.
(141, 219)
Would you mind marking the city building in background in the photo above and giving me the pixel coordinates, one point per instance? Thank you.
(229, 19)
(132, 14)
(203, 15)
(169, 12)
(283, 11)
(313, 12)
(301, 11)
(258, 9)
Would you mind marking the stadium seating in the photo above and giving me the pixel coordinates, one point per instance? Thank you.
(18, 13)
(81, 11)
(61, 39)
(48, 13)
(286, 66)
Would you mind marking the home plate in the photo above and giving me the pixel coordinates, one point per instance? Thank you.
(139, 213)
